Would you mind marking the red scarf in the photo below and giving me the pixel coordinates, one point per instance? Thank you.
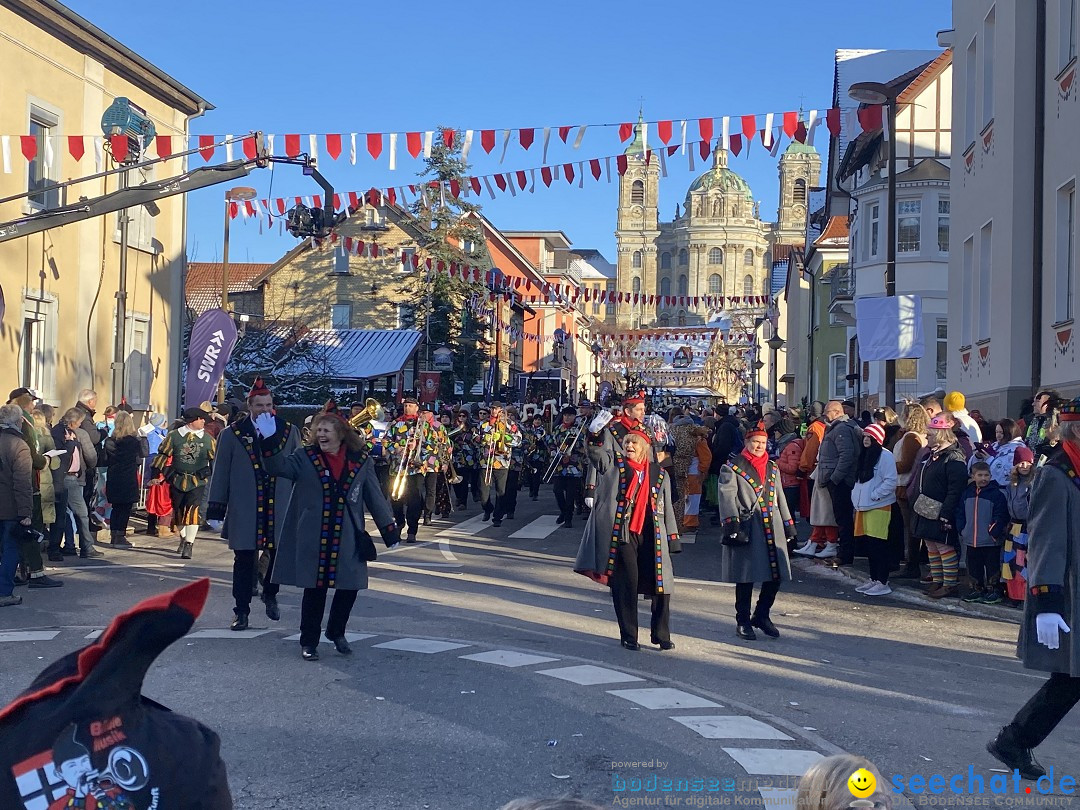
(637, 493)
(336, 461)
(1072, 450)
(628, 421)
(759, 463)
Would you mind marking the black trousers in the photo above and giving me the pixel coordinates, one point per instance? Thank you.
(535, 478)
(513, 484)
(493, 493)
(624, 592)
(744, 593)
(311, 614)
(61, 527)
(984, 564)
(881, 557)
(568, 489)
(1047, 707)
(461, 488)
(844, 510)
(121, 514)
(243, 579)
(407, 509)
(429, 483)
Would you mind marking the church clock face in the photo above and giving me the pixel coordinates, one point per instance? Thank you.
(798, 210)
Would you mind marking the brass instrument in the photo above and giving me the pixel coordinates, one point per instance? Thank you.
(370, 413)
(416, 434)
(452, 474)
(495, 444)
(566, 446)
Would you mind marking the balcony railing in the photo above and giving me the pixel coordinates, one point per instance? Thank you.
(842, 283)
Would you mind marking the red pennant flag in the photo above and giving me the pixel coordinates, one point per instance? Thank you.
(791, 123)
(164, 145)
(500, 181)
(594, 166)
(333, 145)
(413, 143)
(870, 117)
(545, 175)
(663, 129)
(280, 203)
(564, 133)
(625, 131)
(475, 183)
(391, 196)
(705, 128)
(448, 138)
(832, 120)
(521, 180)
(354, 200)
(234, 208)
(800, 132)
(374, 250)
(206, 147)
(292, 145)
(526, 137)
(76, 147)
(487, 139)
(736, 144)
(374, 144)
(455, 188)
(415, 262)
(620, 163)
(568, 172)
(248, 145)
(119, 146)
(749, 126)
(704, 148)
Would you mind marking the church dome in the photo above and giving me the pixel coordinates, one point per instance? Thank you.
(721, 177)
(796, 148)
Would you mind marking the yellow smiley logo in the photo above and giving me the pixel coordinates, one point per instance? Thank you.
(862, 783)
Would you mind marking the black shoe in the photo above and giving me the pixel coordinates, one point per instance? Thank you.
(536, 497)
(341, 645)
(510, 516)
(185, 552)
(20, 579)
(273, 612)
(309, 653)
(745, 632)
(630, 645)
(462, 506)
(1004, 749)
(410, 538)
(239, 622)
(56, 556)
(568, 525)
(118, 541)
(90, 554)
(427, 518)
(45, 582)
(487, 515)
(496, 521)
(68, 552)
(664, 645)
(560, 519)
(765, 625)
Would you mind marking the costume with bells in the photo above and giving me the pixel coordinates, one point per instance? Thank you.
(185, 459)
(251, 503)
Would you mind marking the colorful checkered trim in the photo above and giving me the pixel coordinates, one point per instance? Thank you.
(265, 484)
(333, 516)
(766, 497)
(621, 514)
(1040, 590)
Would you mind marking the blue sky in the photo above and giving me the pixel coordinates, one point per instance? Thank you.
(366, 67)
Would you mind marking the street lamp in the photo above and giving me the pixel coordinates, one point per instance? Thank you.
(879, 93)
(758, 366)
(237, 194)
(776, 343)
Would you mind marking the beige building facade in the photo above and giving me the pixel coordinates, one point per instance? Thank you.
(59, 286)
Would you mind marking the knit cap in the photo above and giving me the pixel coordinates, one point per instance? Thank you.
(1021, 454)
(875, 432)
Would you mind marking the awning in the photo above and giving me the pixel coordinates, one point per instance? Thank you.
(363, 354)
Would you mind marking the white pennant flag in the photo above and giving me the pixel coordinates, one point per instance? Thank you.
(811, 125)
(682, 135)
(662, 151)
(467, 144)
(427, 143)
(581, 174)
(580, 137)
(690, 159)
(512, 182)
(49, 155)
(532, 181)
(352, 148)
(607, 168)
(99, 153)
(270, 144)
(5, 152)
(645, 138)
(767, 141)
(228, 148)
(725, 133)
(393, 151)
(313, 148)
(506, 143)
(490, 190)
(547, 138)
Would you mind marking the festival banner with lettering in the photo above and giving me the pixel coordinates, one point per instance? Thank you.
(212, 340)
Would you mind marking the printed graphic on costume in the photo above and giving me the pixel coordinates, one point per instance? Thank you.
(90, 767)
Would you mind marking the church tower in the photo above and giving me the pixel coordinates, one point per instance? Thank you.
(636, 231)
(800, 170)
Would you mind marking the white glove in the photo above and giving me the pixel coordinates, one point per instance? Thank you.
(1047, 626)
(266, 424)
(589, 502)
(146, 430)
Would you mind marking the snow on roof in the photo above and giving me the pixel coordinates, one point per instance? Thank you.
(590, 264)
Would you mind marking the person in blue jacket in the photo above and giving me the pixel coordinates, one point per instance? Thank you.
(982, 518)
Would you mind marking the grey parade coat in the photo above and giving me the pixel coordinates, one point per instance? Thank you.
(318, 546)
(1053, 565)
(252, 502)
(746, 500)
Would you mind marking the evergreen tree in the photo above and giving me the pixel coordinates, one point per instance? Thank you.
(454, 236)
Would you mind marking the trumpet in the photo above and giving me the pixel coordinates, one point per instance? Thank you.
(565, 447)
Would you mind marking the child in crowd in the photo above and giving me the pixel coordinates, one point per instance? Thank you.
(1014, 553)
(982, 518)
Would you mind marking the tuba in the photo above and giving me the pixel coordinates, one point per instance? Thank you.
(370, 413)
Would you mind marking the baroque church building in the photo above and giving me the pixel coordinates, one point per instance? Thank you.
(717, 244)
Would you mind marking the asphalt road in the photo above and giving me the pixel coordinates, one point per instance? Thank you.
(488, 670)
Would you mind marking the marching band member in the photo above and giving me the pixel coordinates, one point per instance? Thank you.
(464, 456)
(605, 440)
(497, 437)
(517, 464)
(569, 476)
(250, 500)
(184, 459)
(537, 454)
(414, 442)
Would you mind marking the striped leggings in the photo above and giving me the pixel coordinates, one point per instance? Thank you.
(944, 563)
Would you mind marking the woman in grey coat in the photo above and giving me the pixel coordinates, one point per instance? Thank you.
(323, 544)
(630, 537)
(756, 526)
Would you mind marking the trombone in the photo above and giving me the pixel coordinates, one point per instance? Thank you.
(565, 447)
(493, 442)
(408, 455)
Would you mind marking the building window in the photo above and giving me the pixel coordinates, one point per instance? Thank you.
(665, 286)
(986, 264)
(610, 308)
(637, 193)
(406, 317)
(37, 353)
(971, 75)
(798, 192)
(341, 316)
(1065, 264)
(636, 259)
(407, 255)
(907, 226)
(716, 256)
(684, 258)
(967, 290)
(716, 284)
(637, 284)
(988, 67)
(665, 261)
(665, 319)
(942, 364)
(682, 318)
(1067, 31)
(42, 124)
(875, 228)
(748, 258)
(341, 261)
(138, 368)
(684, 285)
(596, 299)
(748, 286)
(838, 375)
(943, 226)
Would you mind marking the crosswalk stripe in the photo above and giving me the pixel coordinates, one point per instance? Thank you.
(773, 761)
(350, 637)
(538, 529)
(29, 635)
(226, 633)
(508, 658)
(420, 645)
(466, 528)
(663, 697)
(729, 727)
(589, 675)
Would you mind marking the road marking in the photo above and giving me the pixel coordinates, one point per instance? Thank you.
(29, 635)
(507, 658)
(226, 633)
(778, 798)
(730, 727)
(94, 634)
(662, 697)
(467, 528)
(589, 675)
(420, 645)
(350, 637)
(538, 529)
(773, 761)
